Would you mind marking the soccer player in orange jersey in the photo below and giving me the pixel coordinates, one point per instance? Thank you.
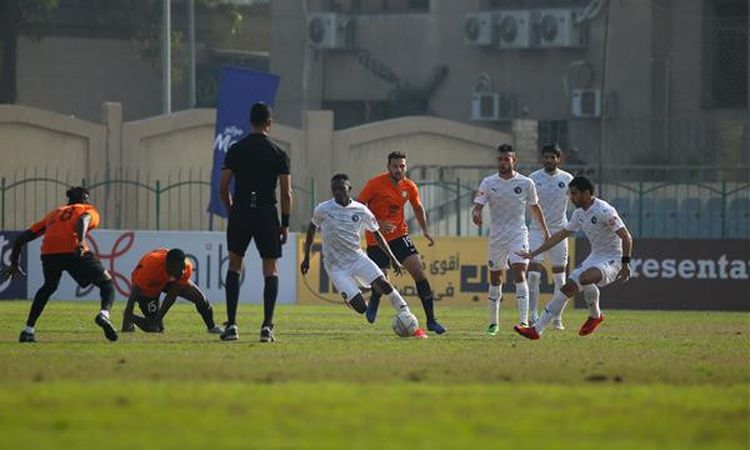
(168, 271)
(64, 249)
(385, 195)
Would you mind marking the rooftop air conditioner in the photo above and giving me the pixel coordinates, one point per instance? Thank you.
(557, 28)
(330, 30)
(480, 28)
(491, 107)
(586, 103)
(513, 29)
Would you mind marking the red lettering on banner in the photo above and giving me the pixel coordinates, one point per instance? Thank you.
(121, 246)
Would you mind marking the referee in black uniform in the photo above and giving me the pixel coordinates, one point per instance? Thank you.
(255, 163)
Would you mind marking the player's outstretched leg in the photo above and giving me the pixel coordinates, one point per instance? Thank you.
(559, 278)
(28, 334)
(591, 296)
(493, 309)
(398, 302)
(553, 308)
(425, 294)
(107, 293)
(534, 277)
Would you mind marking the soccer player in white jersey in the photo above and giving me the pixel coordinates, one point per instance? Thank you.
(508, 194)
(341, 220)
(611, 247)
(552, 186)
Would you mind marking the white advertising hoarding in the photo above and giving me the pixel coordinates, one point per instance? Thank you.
(120, 251)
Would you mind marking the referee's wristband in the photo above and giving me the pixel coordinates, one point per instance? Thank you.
(285, 220)
(625, 260)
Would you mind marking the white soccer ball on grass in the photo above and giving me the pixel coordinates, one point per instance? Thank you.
(405, 324)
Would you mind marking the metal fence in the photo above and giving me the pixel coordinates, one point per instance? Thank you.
(654, 201)
(128, 200)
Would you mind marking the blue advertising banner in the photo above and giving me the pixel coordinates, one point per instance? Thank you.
(11, 288)
(238, 90)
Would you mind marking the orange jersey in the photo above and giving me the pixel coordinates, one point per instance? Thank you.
(150, 275)
(386, 200)
(59, 228)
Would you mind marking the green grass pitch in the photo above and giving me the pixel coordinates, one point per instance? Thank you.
(644, 380)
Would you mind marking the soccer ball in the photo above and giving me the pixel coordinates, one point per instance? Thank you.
(405, 324)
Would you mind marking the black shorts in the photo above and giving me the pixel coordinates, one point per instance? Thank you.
(261, 224)
(85, 269)
(402, 248)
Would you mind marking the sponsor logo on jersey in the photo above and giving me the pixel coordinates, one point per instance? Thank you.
(517, 189)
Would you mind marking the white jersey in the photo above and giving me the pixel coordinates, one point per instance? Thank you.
(553, 197)
(507, 201)
(341, 229)
(599, 223)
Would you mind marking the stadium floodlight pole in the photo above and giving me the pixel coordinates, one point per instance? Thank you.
(166, 58)
(191, 53)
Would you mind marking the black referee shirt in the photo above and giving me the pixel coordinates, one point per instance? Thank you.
(256, 163)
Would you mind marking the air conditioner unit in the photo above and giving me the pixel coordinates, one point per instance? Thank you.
(556, 28)
(491, 107)
(330, 30)
(586, 103)
(513, 29)
(480, 28)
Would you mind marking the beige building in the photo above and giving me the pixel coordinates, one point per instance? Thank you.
(672, 75)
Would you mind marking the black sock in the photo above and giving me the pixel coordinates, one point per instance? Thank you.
(375, 298)
(40, 301)
(270, 292)
(107, 294)
(425, 294)
(233, 296)
(207, 314)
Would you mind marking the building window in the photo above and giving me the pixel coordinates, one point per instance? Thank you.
(350, 113)
(725, 53)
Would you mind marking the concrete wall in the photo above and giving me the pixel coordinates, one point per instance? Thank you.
(123, 161)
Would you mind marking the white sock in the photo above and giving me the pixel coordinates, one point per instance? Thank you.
(534, 278)
(28, 329)
(493, 311)
(397, 301)
(591, 295)
(522, 297)
(105, 313)
(552, 309)
(559, 282)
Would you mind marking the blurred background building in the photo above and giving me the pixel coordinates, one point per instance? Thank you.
(649, 97)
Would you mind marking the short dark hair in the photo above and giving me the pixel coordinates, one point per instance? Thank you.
(175, 256)
(340, 176)
(77, 194)
(505, 148)
(396, 155)
(550, 147)
(582, 184)
(260, 114)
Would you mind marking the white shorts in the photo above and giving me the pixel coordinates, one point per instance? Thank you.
(558, 255)
(499, 254)
(347, 280)
(609, 267)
